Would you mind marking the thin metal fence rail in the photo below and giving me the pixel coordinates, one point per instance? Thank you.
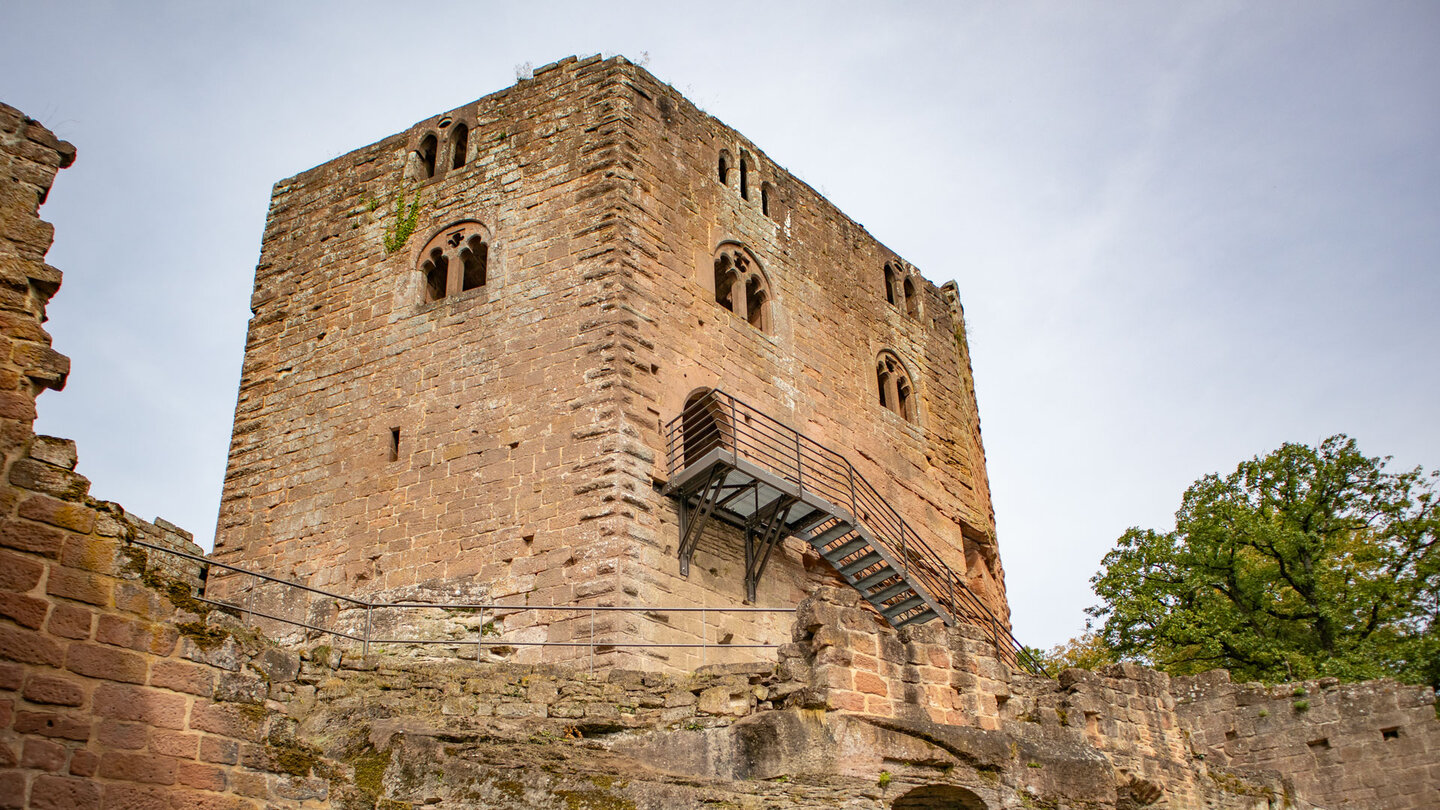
(496, 609)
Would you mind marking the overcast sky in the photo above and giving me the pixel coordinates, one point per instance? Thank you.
(1183, 233)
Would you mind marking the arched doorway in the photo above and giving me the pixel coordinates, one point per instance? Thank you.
(939, 797)
(702, 425)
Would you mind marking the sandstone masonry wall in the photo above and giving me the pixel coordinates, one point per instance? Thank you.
(502, 397)
(503, 443)
(813, 368)
(1358, 745)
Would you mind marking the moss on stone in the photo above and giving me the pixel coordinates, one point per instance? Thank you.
(205, 636)
(294, 758)
(593, 800)
(370, 766)
(1231, 783)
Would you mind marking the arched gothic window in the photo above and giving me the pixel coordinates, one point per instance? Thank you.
(897, 393)
(892, 289)
(744, 179)
(459, 143)
(724, 168)
(455, 260)
(427, 150)
(741, 287)
(912, 301)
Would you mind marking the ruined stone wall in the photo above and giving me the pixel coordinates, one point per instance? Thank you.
(503, 396)
(1357, 745)
(1351, 746)
(114, 690)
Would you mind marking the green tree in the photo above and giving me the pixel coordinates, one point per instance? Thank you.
(1086, 651)
(1303, 563)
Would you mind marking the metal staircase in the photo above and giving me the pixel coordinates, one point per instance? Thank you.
(729, 462)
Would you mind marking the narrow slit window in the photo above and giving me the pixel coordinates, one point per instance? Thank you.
(912, 301)
(724, 170)
(394, 444)
(427, 155)
(765, 199)
(744, 180)
(889, 284)
(460, 142)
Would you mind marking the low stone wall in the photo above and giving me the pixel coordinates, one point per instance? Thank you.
(1350, 746)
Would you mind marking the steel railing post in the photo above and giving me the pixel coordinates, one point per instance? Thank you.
(592, 641)
(734, 434)
(480, 639)
(854, 507)
(799, 465)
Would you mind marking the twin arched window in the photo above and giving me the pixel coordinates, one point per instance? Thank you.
(741, 287)
(900, 289)
(428, 152)
(455, 260)
(897, 393)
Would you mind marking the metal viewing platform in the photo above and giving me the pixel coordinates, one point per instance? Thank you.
(730, 462)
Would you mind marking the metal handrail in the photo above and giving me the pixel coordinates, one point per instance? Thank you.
(720, 420)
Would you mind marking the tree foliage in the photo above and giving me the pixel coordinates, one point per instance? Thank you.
(1306, 562)
(1086, 651)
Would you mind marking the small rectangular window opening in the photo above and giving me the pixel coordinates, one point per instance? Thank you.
(395, 444)
(1392, 733)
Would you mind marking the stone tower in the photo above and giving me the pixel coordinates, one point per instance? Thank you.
(473, 341)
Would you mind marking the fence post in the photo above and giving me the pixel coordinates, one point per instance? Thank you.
(365, 653)
(592, 641)
(480, 639)
(704, 642)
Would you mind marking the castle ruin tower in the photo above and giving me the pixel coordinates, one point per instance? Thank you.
(579, 343)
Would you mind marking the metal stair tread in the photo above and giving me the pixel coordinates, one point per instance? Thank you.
(865, 561)
(871, 580)
(838, 554)
(890, 592)
(825, 537)
(923, 616)
(898, 608)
